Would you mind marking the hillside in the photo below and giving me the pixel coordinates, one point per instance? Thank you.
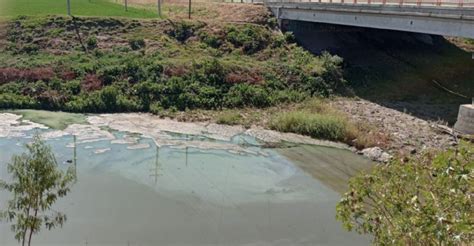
(112, 65)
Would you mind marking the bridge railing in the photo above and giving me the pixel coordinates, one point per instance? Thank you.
(428, 3)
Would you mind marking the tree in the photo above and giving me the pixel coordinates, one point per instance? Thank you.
(36, 184)
(425, 201)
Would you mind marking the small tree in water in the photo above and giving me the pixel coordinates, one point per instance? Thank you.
(37, 182)
(426, 201)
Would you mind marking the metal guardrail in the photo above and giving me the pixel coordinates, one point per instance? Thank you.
(420, 3)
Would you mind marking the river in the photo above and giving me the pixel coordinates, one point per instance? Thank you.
(153, 186)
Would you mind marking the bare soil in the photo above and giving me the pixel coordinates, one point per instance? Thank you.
(211, 12)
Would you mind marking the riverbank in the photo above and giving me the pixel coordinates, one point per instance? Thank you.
(402, 134)
(383, 129)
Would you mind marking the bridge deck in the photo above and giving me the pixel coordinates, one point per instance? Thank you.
(446, 20)
(459, 4)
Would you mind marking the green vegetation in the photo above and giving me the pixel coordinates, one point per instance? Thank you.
(118, 65)
(137, 43)
(55, 120)
(37, 183)
(425, 201)
(322, 126)
(229, 118)
(78, 8)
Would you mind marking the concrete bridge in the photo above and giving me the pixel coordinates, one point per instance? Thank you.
(438, 17)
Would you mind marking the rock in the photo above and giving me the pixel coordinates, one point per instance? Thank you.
(376, 154)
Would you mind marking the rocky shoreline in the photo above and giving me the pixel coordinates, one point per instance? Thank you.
(407, 134)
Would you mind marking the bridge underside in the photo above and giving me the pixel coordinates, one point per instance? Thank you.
(438, 21)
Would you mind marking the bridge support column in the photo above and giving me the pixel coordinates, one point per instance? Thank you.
(465, 122)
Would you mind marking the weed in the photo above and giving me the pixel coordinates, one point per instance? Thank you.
(229, 118)
(322, 126)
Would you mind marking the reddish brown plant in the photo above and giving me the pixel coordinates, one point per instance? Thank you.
(91, 82)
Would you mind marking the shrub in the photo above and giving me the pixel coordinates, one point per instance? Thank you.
(137, 43)
(181, 31)
(212, 72)
(272, 22)
(134, 70)
(155, 70)
(278, 41)
(72, 87)
(111, 73)
(109, 95)
(250, 77)
(333, 73)
(289, 37)
(210, 97)
(251, 38)
(127, 105)
(12, 101)
(51, 99)
(211, 40)
(91, 82)
(91, 42)
(66, 74)
(156, 108)
(322, 126)
(30, 75)
(55, 84)
(287, 96)
(12, 87)
(175, 70)
(29, 49)
(425, 201)
(242, 95)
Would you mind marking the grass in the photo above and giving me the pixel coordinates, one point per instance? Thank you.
(78, 8)
(229, 118)
(318, 119)
(55, 120)
(322, 126)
